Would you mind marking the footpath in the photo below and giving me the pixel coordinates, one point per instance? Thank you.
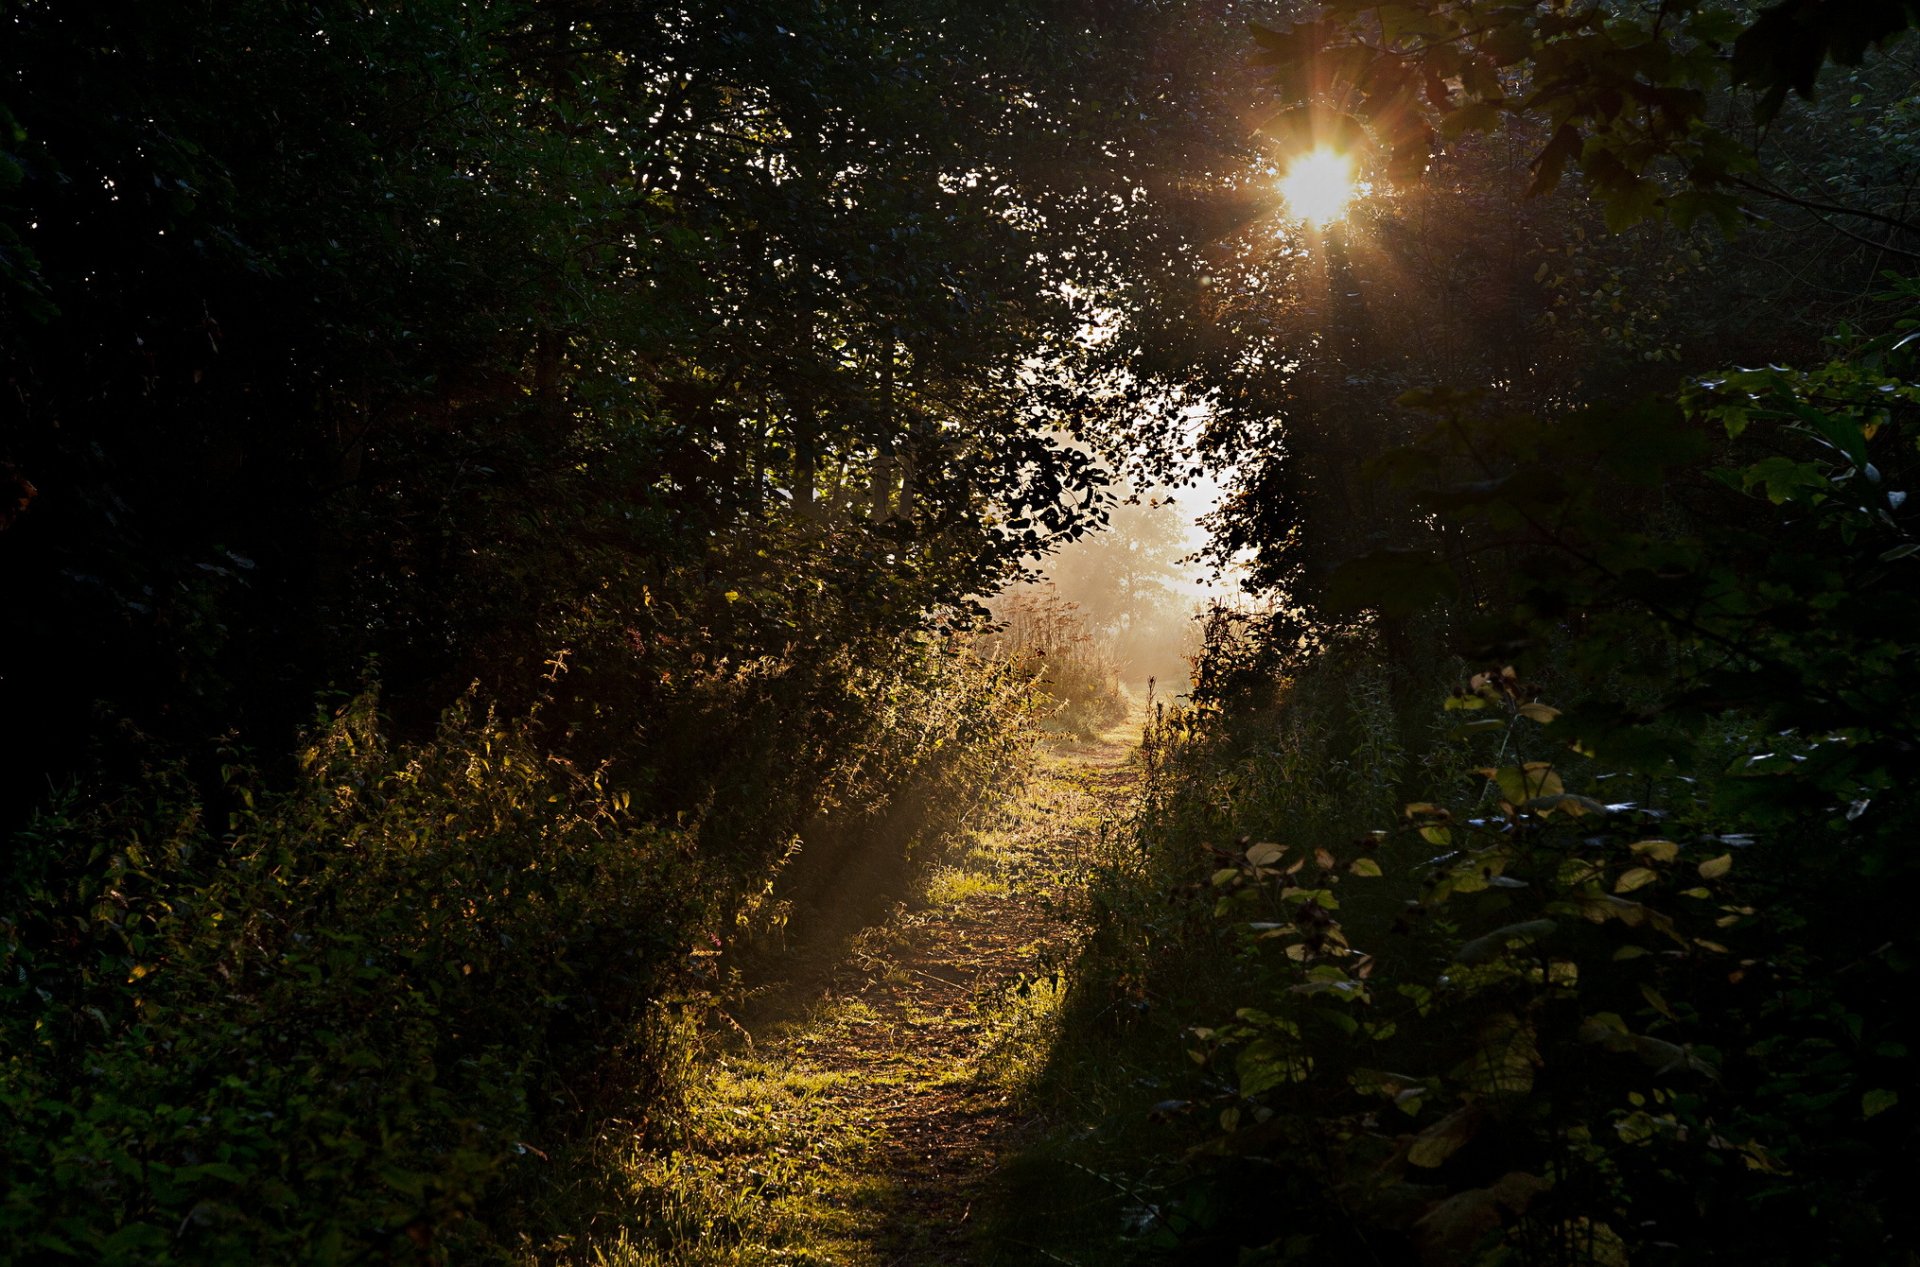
(856, 1113)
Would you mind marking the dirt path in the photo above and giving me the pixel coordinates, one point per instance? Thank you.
(866, 1099)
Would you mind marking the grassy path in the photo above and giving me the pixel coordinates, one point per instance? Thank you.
(858, 1114)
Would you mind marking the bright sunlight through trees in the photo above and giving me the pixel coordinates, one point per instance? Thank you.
(1319, 185)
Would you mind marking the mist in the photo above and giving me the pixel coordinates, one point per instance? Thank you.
(1137, 588)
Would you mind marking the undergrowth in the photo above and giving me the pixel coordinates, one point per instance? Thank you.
(378, 1015)
(1603, 962)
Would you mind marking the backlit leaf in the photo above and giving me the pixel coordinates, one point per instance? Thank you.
(1264, 853)
(1636, 878)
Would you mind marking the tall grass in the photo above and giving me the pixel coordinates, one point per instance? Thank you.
(1048, 641)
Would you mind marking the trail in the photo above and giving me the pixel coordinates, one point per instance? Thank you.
(861, 1109)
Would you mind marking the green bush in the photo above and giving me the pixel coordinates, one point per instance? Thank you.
(348, 1021)
(319, 1030)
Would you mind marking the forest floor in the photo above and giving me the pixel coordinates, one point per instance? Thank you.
(859, 1113)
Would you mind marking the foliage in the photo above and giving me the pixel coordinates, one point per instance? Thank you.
(1128, 582)
(709, 357)
(1637, 99)
(353, 1018)
(1618, 972)
(321, 1029)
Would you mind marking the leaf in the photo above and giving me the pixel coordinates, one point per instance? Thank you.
(1505, 1059)
(1635, 878)
(1450, 1229)
(1571, 804)
(1445, 1137)
(1783, 479)
(1629, 203)
(1265, 1063)
(1658, 850)
(1552, 161)
(1365, 866)
(1600, 1245)
(1541, 780)
(1878, 1101)
(1542, 713)
(1265, 853)
(1714, 868)
(1475, 116)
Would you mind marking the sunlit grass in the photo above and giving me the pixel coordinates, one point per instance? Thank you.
(1319, 185)
(770, 1167)
(955, 886)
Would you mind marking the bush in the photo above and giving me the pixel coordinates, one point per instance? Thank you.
(348, 1020)
(1609, 965)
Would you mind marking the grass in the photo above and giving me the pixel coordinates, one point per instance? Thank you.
(858, 1112)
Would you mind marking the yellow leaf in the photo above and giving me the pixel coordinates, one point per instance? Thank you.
(1542, 713)
(1658, 850)
(1541, 779)
(1505, 1059)
(1365, 866)
(1714, 868)
(1637, 878)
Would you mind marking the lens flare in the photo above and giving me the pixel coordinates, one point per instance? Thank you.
(1318, 186)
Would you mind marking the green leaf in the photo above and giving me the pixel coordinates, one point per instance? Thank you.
(1878, 1101)
(1630, 203)
(1475, 116)
(1552, 161)
(1266, 1063)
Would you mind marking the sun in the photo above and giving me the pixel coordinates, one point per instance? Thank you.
(1318, 186)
